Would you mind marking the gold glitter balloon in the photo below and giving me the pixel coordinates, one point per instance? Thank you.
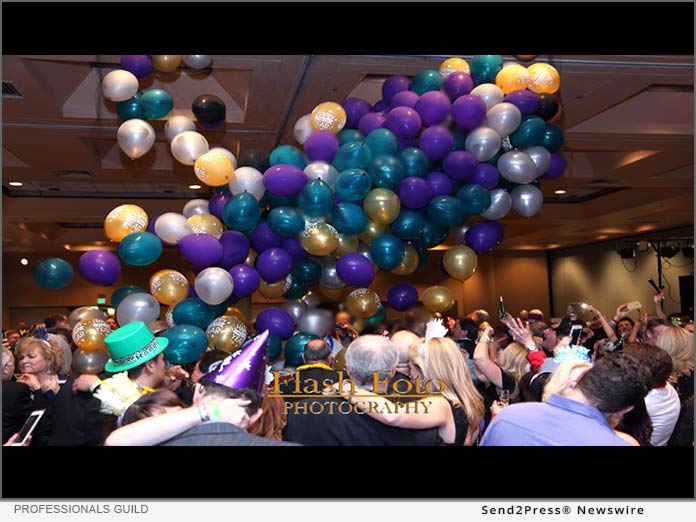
(452, 65)
(166, 62)
(363, 303)
(373, 230)
(319, 239)
(169, 286)
(227, 333)
(543, 78)
(460, 262)
(438, 299)
(206, 224)
(512, 78)
(89, 334)
(328, 116)
(410, 262)
(124, 220)
(274, 290)
(214, 168)
(382, 206)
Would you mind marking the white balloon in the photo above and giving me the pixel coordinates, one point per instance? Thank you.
(323, 171)
(214, 285)
(527, 200)
(247, 179)
(482, 143)
(176, 125)
(518, 167)
(198, 61)
(489, 93)
(230, 156)
(188, 146)
(541, 158)
(302, 129)
(135, 137)
(119, 85)
(171, 227)
(500, 205)
(503, 118)
(196, 206)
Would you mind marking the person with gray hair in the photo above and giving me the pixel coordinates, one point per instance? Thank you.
(314, 375)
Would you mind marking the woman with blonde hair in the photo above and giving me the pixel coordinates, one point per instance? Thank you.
(679, 344)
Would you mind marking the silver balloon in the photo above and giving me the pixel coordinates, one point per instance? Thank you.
(457, 235)
(227, 153)
(294, 309)
(138, 307)
(198, 61)
(323, 171)
(85, 312)
(89, 363)
(119, 85)
(527, 200)
(482, 143)
(302, 129)
(59, 340)
(135, 137)
(214, 285)
(247, 179)
(329, 276)
(517, 167)
(171, 227)
(196, 206)
(489, 93)
(311, 299)
(188, 146)
(176, 125)
(541, 158)
(503, 118)
(500, 205)
(314, 321)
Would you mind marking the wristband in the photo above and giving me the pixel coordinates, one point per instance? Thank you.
(203, 412)
(484, 339)
(95, 387)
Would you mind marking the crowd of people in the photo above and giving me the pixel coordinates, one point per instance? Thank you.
(472, 380)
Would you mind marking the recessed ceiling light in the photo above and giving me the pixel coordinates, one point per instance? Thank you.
(24, 261)
(195, 187)
(560, 192)
(15, 184)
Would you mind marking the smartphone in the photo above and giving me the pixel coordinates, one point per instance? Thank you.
(654, 285)
(28, 427)
(502, 307)
(634, 305)
(575, 333)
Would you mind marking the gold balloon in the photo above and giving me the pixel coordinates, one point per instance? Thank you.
(319, 239)
(169, 286)
(233, 310)
(382, 206)
(460, 262)
(206, 224)
(452, 65)
(166, 62)
(438, 299)
(274, 290)
(372, 231)
(409, 264)
(214, 169)
(250, 258)
(89, 334)
(328, 116)
(332, 294)
(124, 220)
(363, 303)
(340, 360)
(346, 245)
(543, 78)
(525, 57)
(226, 332)
(512, 78)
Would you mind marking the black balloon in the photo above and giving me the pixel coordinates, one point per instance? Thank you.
(253, 158)
(209, 109)
(549, 106)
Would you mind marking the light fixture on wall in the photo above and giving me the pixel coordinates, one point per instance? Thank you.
(627, 252)
(688, 251)
(669, 251)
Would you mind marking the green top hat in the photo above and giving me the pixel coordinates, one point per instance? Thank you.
(132, 345)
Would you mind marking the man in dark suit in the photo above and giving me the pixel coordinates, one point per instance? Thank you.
(314, 375)
(16, 399)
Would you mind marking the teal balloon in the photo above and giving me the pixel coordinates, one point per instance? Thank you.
(353, 184)
(386, 171)
(186, 344)
(486, 66)
(53, 273)
(273, 200)
(382, 141)
(193, 311)
(274, 347)
(352, 155)
(378, 318)
(387, 251)
(140, 249)
(529, 133)
(431, 235)
(131, 109)
(242, 212)
(427, 80)
(348, 135)
(285, 221)
(423, 258)
(446, 211)
(408, 224)
(296, 290)
(288, 155)
(348, 218)
(122, 292)
(459, 141)
(553, 138)
(316, 199)
(476, 199)
(156, 103)
(220, 309)
(294, 348)
(415, 161)
(306, 271)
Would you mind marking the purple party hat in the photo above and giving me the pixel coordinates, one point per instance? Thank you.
(245, 368)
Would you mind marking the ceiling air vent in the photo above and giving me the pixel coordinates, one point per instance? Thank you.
(10, 91)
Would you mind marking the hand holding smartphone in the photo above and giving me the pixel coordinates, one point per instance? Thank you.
(28, 427)
(575, 333)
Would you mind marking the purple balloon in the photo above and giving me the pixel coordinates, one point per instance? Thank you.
(403, 122)
(481, 237)
(526, 101)
(192, 288)
(458, 84)
(381, 106)
(235, 248)
(485, 175)
(263, 238)
(500, 232)
(402, 296)
(100, 267)
(322, 145)
(468, 112)
(277, 321)
(138, 64)
(197, 269)
(355, 109)
(392, 85)
(558, 165)
(273, 264)
(217, 203)
(293, 247)
(407, 143)
(459, 165)
(201, 249)
(414, 192)
(151, 225)
(284, 180)
(246, 280)
(436, 142)
(404, 99)
(439, 184)
(355, 269)
(370, 122)
(433, 108)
